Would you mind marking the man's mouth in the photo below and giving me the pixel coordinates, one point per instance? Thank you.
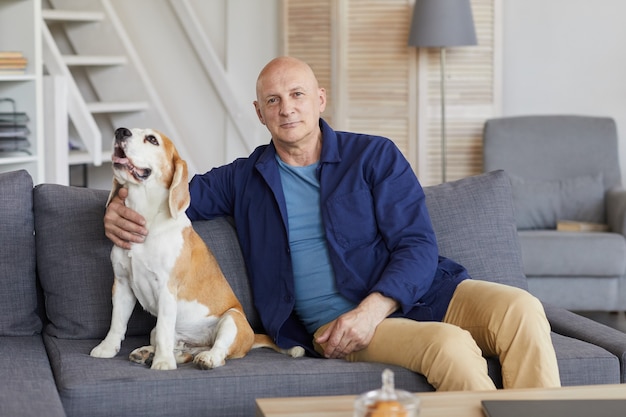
(288, 125)
(121, 161)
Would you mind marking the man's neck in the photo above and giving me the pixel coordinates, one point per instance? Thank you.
(300, 155)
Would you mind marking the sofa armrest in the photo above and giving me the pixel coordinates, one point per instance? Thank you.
(616, 209)
(572, 325)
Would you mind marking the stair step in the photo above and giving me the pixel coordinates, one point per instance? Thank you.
(71, 15)
(118, 107)
(93, 60)
(80, 157)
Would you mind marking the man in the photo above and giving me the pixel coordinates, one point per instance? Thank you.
(342, 257)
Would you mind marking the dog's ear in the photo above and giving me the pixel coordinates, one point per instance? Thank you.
(179, 189)
(114, 189)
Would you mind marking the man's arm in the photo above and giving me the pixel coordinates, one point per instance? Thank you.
(122, 225)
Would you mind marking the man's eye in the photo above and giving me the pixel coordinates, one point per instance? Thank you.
(272, 101)
(152, 139)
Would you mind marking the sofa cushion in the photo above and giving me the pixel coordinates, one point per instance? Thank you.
(474, 222)
(117, 387)
(18, 280)
(28, 387)
(220, 236)
(571, 254)
(541, 204)
(73, 262)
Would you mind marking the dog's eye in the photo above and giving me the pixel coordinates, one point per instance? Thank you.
(152, 139)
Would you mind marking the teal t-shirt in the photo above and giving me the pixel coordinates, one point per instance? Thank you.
(317, 299)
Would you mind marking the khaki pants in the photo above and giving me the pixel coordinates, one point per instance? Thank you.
(483, 319)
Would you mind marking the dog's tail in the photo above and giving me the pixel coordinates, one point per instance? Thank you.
(264, 341)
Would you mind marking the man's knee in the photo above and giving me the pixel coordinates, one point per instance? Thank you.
(451, 343)
(525, 309)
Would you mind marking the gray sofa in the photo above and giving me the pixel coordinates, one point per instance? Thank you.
(565, 167)
(55, 285)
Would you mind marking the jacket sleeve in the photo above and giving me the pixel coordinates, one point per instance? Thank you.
(405, 226)
(211, 194)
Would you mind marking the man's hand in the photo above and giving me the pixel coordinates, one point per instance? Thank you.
(354, 330)
(123, 225)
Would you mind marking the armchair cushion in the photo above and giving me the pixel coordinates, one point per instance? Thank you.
(541, 204)
(579, 254)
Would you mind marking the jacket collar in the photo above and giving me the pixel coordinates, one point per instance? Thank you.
(330, 148)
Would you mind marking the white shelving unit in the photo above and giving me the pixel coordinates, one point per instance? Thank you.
(20, 30)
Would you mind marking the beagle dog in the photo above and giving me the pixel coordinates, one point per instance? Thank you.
(173, 274)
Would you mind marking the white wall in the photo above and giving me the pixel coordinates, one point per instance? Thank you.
(559, 56)
(244, 35)
(566, 56)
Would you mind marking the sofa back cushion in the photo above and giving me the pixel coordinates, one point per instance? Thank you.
(18, 279)
(73, 262)
(474, 222)
(75, 268)
(220, 236)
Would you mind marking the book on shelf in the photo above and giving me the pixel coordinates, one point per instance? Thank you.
(11, 54)
(12, 71)
(12, 62)
(577, 226)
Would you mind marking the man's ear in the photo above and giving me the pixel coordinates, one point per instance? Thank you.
(257, 109)
(179, 197)
(322, 96)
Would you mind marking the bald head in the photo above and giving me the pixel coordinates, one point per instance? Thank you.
(281, 67)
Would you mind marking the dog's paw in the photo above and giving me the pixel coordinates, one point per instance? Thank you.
(142, 355)
(295, 352)
(164, 364)
(210, 359)
(105, 350)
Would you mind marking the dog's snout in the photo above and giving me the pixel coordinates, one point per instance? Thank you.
(122, 133)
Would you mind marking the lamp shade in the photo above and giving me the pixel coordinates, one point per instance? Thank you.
(439, 23)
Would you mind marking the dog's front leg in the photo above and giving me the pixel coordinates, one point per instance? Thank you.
(165, 332)
(123, 301)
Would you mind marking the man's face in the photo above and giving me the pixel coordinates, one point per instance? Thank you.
(289, 103)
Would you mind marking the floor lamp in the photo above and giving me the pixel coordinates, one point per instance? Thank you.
(442, 23)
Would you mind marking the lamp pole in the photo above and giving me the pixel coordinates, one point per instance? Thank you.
(444, 162)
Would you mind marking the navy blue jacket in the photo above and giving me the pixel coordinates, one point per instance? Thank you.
(380, 237)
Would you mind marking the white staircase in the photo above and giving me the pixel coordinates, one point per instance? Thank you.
(95, 84)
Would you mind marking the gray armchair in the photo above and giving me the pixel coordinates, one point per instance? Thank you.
(565, 168)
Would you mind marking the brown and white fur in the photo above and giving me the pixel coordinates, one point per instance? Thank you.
(173, 274)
